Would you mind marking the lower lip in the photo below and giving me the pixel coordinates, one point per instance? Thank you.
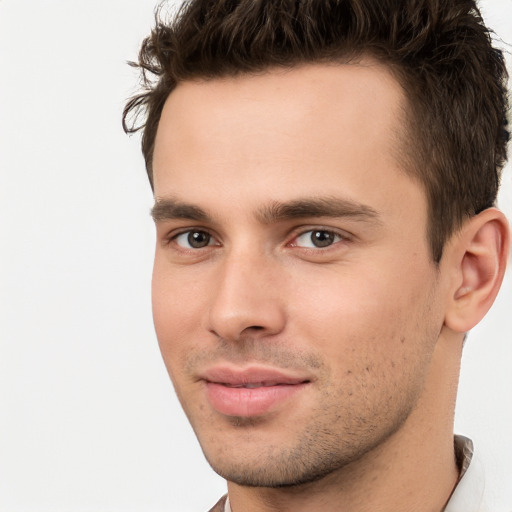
(249, 402)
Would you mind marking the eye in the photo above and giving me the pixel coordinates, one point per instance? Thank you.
(317, 239)
(194, 239)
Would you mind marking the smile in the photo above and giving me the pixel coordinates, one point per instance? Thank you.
(253, 385)
(251, 392)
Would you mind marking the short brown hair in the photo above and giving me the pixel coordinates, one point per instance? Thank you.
(439, 50)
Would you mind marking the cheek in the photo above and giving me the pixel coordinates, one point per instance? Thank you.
(376, 339)
(363, 315)
(176, 303)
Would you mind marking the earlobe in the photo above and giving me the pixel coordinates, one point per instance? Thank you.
(479, 256)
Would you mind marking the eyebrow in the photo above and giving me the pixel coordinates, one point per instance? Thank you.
(316, 207)
(171, 208)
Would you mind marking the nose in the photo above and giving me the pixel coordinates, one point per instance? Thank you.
(248, 299)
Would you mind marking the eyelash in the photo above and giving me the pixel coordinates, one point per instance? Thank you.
(189, 232)
(336, 235)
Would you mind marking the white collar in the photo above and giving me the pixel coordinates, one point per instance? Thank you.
(469, 495)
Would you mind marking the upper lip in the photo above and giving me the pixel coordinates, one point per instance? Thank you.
(265, 376)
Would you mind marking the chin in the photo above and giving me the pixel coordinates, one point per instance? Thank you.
(271, 476)
(278, 466)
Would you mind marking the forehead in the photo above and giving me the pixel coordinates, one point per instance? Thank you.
(298, 131)
(316, 93)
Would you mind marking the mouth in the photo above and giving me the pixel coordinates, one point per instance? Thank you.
(252, 391)
(253, 385)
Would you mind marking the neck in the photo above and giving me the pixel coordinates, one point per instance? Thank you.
(414, 469)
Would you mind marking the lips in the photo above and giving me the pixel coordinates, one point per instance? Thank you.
(252, 385)
(251, 391)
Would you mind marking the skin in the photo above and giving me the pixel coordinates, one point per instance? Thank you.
(370, 324)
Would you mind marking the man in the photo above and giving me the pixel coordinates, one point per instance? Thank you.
(325, 173)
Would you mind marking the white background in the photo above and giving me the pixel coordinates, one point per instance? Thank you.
(88, 418)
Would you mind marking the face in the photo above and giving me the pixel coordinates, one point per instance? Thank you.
(295, 300)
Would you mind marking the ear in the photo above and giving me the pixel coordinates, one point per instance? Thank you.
(477, 259)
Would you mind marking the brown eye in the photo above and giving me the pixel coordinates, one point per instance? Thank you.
(194, 239)
(322, 238)
(317, 238)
